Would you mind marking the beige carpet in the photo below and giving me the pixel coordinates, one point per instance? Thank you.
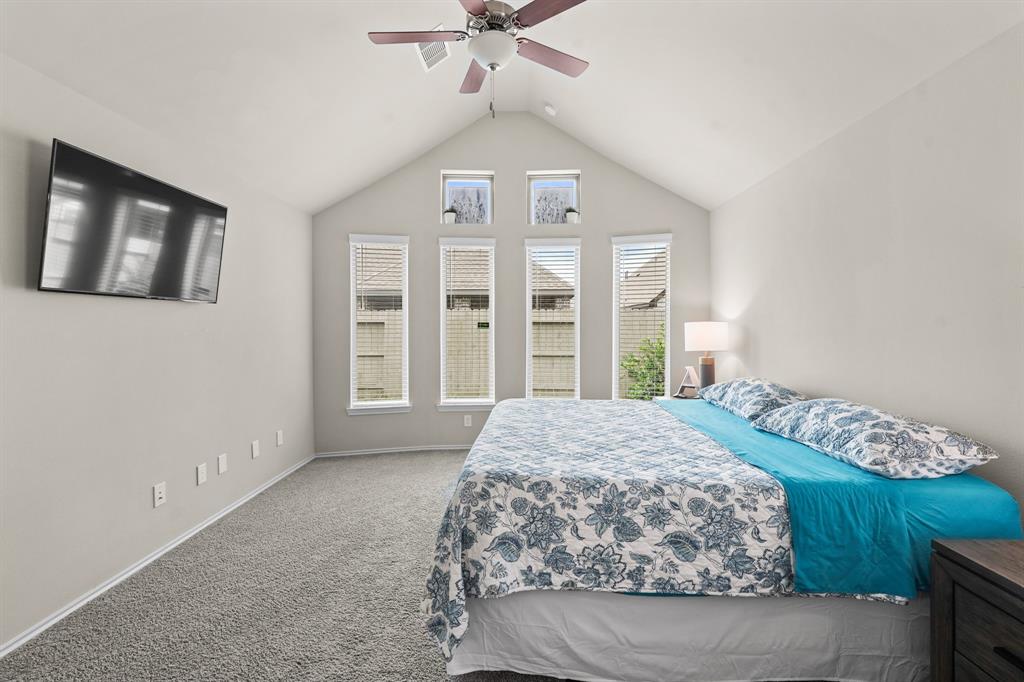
(318, 578)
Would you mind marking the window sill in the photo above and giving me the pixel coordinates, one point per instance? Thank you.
(379, 408)
(474, 406)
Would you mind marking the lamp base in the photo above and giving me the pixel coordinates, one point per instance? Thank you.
(690, 385)
(707, 370)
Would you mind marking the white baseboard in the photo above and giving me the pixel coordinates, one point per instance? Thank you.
(385, 451)
(9, 646)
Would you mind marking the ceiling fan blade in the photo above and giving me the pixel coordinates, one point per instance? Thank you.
(552, 58)
(474, 78)
(394, 37)
(541, 10)
(475, 7)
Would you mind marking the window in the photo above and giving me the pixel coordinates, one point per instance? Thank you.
(469, 194)
(640, 324)
(467, 322)
(553, 323)
(551, 193)
(379, 362)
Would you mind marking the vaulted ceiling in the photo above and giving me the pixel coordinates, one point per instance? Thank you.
(704, 98)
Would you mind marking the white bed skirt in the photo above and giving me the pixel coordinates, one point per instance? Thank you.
(598, 637)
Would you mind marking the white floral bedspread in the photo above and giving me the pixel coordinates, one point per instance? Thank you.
(616, 496)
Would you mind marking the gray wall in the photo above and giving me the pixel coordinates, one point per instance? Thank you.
(102, 397)
(615, 201)
(887, 265)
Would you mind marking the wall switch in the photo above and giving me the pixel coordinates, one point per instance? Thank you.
(201, 474)
(222, 463)
(280, 437)
(467, 420)
(159, 493)
(255, 449)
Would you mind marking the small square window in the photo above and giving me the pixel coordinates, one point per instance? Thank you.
(554, 197)
(469, 195)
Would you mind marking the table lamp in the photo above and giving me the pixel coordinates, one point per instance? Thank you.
(706, 337)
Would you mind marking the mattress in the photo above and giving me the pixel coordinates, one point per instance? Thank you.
(593, 637)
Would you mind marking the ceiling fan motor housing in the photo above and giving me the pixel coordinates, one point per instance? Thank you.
(498, 18)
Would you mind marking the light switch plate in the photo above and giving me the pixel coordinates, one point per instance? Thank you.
(159, 493)
(255, 449)
(201, 474)
(222, 463)
(280, 437)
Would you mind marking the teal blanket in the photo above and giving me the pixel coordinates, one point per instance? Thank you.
(855, 532)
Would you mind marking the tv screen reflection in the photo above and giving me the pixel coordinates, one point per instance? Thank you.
(111, 230)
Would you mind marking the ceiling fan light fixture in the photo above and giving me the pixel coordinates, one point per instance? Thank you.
(493, 50)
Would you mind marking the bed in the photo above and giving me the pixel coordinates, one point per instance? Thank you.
(604, 525)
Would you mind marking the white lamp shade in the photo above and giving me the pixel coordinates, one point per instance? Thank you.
(706, 336)
(493, 48)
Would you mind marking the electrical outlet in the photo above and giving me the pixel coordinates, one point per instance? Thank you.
(201, 474)
(159, 493)
(255, 449)
(280, 437)
(467, 420)
(222, 463)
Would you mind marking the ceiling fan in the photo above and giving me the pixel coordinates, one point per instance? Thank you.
(492, 29)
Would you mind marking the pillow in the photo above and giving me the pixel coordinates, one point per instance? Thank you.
(894, 447)
(749, 398)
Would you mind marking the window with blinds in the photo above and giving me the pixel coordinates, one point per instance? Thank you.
(467, 321)
(552, 334)
(379, 322)
(640, 316)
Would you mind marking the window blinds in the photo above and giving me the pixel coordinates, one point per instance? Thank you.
(552, 337)
(379, 331)
(641, 316)
(467, 321)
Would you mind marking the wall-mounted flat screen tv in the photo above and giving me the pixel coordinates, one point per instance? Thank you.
(114, 231)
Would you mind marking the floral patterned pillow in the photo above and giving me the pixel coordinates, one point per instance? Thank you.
(895, 447)
(750, 398)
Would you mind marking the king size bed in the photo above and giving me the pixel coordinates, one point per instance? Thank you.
(670, 540)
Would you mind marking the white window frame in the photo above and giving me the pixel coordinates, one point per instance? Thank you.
(357, 407)
(642, 240)
(552, 175)
(552, 244)
(467, 175)
(461, 404)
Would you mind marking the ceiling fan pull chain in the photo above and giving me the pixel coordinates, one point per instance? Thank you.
(492, 93)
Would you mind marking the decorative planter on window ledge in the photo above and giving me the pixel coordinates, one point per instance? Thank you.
(449, 216)
(572, 216)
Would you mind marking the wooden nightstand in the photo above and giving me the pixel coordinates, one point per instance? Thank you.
(977, 610)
